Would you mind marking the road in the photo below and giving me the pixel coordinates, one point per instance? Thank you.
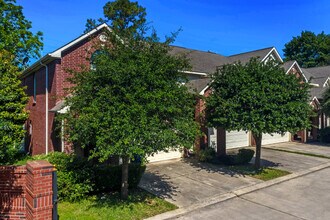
(306, 197)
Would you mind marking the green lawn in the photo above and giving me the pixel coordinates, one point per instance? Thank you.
(140, 205)
(264, 173)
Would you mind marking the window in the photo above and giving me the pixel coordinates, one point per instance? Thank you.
(34, 88)
(95, 55)
(93, 59)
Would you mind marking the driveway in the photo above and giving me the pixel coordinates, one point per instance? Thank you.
(187, 182)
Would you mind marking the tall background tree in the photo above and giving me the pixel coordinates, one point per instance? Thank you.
(17, 43)
(15, 34)
(131, 103)
(125, 18)
(257, 97)
(12, 109)
(309, 49)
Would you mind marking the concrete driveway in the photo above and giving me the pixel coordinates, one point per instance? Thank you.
(187, 182)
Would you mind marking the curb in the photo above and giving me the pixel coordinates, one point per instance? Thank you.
(236, 193)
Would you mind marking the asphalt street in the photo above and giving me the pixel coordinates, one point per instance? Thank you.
(306, 197)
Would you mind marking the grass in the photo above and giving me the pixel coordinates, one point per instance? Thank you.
(139, 205)
(264, 173)
(301, 153)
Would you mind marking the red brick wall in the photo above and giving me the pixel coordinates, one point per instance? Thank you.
(26, 191)
(202, 141)
(58, 73)
(12, 192)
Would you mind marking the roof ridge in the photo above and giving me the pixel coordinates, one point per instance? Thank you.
(251, 51)
(203, 51)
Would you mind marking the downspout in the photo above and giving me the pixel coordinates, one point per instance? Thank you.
(46, 91)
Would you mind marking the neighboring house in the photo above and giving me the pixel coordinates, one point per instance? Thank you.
(207, 62)
(46, 81)
(319, 77)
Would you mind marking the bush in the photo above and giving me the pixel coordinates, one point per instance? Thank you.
(325, 135)
(108, 177)
(74, 175)
(243, 156)
(206, 155)
(77, 177)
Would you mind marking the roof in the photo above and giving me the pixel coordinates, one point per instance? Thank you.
(207, 62)
(198, 85)
(287, 65)
(318, 75)
(261, 53)
(59, 106)
(201, 61)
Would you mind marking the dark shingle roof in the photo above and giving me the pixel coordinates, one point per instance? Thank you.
(201, 61)
(196, 86)
(207, 62)
(245, 57)
(287, 65)
(318, 75)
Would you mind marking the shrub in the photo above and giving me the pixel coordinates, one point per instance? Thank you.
(74, 175)
(206, 155)
(108, 177)
(77, 177)
(325, 135)
(244, 156)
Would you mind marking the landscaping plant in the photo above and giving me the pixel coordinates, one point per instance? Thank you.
(131, 102)
(259, 97)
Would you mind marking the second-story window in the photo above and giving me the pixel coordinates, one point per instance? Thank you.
(93, 59)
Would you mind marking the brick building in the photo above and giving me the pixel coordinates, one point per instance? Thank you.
(46, 81)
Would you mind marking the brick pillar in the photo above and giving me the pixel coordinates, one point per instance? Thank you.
(39, 190)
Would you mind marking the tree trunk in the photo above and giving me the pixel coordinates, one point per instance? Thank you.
(124, 179)
(257, 138)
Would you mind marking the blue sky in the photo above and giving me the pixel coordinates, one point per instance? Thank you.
(222, 26)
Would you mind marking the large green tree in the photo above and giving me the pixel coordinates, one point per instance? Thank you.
(17, 43)
(12, 109)
(257, 97)
(15, 34)
(131, 103)
(309, 49)
(126, 18)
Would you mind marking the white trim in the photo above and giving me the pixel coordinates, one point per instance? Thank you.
(64, 110)
(58, 53)
(194, 73)
(203, 91)
(326, 83)
(270, 52)
(295, 62)
(314, 84)
(317, 101)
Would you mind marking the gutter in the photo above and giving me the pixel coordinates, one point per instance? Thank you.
(46, 93)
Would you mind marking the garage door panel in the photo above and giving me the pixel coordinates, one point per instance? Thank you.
(275, 138)
(236, 139)
(162, 155)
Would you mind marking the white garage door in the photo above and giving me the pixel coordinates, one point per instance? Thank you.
(212, 138)
(276, 138)
(237, 139)
(161, 156)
